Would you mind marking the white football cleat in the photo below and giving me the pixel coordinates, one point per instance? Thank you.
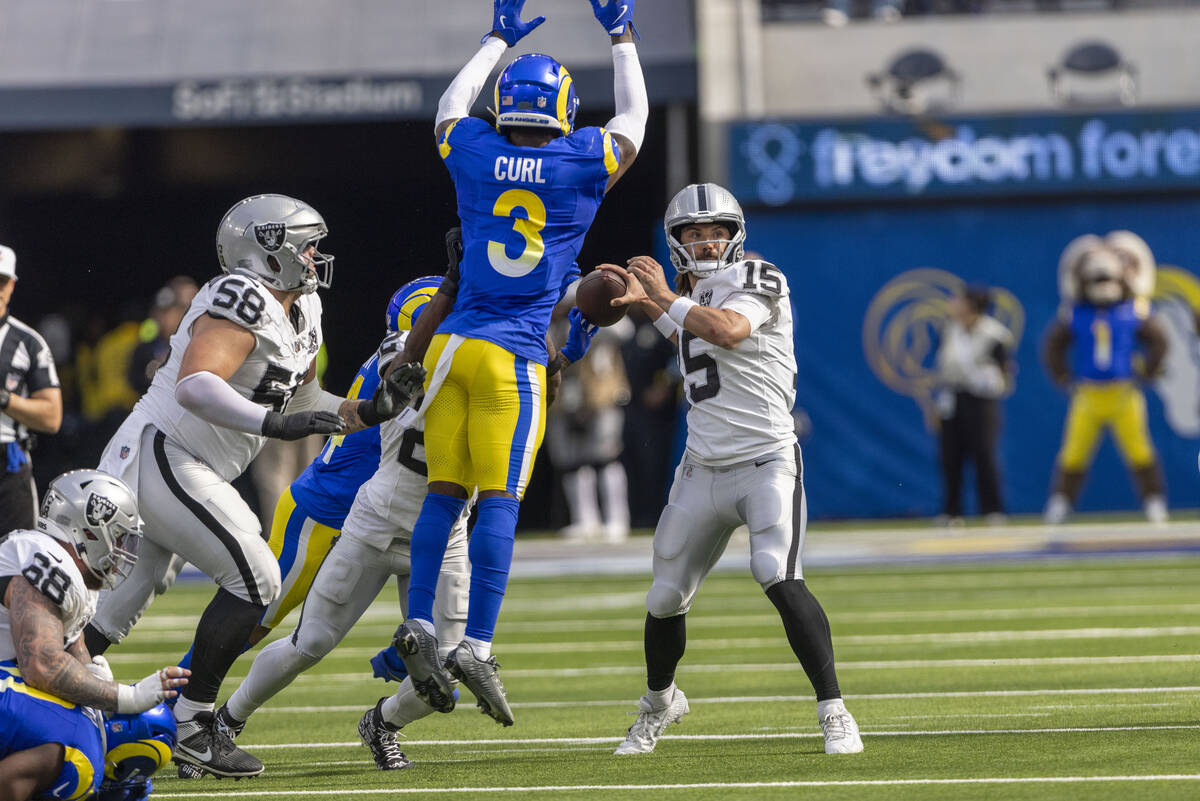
(1057, 509)
(650, 724)
(1156, 510)
(841, 733)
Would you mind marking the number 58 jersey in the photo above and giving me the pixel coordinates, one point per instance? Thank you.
(284, 346)
(524, 213)
(44, 562)
(740, 399)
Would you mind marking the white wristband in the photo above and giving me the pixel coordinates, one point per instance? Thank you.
(666, 326)
(679, 309)
(125, 698)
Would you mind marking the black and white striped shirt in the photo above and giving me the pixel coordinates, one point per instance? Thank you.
(26, 366)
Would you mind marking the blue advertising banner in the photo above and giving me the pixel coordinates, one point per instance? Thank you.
(783, 162)
(869, 286)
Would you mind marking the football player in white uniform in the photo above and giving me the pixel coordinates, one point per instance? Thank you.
(732, 322)
(373, 546)
(50, 740)
(240, 369)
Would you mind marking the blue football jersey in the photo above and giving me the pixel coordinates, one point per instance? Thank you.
(326, 488)
(1104, 340)
(524, 213)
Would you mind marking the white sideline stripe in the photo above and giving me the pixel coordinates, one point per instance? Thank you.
(384, 620)
(1167, 777)
(750, 699)
(631, 670)
(755, 736)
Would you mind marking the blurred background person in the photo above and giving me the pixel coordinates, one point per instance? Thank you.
(166, 311)
(585, 428)
(650, 418)
(1103, 344)
(975, 371)
(30, 400)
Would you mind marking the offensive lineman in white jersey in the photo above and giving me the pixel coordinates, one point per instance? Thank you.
(372, 547)
(243, 354)
(50, 686)
(732, 323)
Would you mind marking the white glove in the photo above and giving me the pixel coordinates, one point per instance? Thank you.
(147, 693)
(100, 669)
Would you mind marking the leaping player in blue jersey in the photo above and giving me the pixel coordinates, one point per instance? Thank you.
(528, 190)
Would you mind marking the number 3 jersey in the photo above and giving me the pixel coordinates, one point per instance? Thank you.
(741, 399)
(284, 346)
(524, 213)
(44, 562)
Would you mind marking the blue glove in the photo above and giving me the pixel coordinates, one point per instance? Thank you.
(506, 21)
(579, 336)
(614, 15)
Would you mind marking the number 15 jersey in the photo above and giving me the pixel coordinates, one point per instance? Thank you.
(740, 399)
(524, 213)
(284, 345)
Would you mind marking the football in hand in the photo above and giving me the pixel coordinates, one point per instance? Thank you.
(593, 296)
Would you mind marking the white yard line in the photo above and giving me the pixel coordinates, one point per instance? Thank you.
(754, 699)
(754, 736)
(1169, 777)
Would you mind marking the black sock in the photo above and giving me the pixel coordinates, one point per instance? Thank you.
(220, 637)
(95, 640)
(666, 638)
(807, 630)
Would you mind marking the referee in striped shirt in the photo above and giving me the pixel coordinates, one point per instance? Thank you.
(30, 400)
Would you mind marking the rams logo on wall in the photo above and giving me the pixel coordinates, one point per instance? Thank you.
(1177, 308)
(903, 326)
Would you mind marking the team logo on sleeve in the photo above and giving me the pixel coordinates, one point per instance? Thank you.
(270, 235)
(99, 510)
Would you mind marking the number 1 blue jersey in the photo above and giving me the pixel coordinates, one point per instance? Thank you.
(1104, 340)
(524, 213)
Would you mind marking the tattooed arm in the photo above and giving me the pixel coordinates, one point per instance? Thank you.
(79, 650)
(38, 636)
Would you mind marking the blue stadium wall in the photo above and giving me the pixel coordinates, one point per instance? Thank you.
(869, 452)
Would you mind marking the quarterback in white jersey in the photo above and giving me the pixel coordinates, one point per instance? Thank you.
(373, 547)
(241, 369)
(51, 688)
(732, 322)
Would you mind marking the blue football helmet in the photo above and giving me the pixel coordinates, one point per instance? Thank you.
(135, 747)
(535, 91)
(409, 300)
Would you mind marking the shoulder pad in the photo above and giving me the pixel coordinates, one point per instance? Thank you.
(238, 299)
(760, 277)
(391, 345)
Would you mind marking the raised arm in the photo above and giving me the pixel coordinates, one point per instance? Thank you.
(507, 29)
(628, 127)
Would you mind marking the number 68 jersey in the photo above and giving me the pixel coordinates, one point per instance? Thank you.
(44, 562)
(284, 346)
(740, 399)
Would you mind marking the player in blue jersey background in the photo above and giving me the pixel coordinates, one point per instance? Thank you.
(1101, 347)
(528, 188)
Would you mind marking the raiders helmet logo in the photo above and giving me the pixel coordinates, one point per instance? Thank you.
(99, 510)
(706, 297)
(270, 235)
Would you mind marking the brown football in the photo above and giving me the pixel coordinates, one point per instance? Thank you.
(593, 294)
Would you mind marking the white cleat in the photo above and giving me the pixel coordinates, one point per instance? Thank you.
(841, 733)
(1057, 509)
(651, 723)
(1156, 510)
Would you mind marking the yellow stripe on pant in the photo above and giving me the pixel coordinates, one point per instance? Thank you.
(300, 544)
(485, 424)
(1118, 405)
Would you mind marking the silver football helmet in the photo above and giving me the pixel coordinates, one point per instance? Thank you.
(704, 203)
(98, 514)
(267, 235)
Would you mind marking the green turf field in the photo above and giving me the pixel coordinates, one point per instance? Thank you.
(1051, 680)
